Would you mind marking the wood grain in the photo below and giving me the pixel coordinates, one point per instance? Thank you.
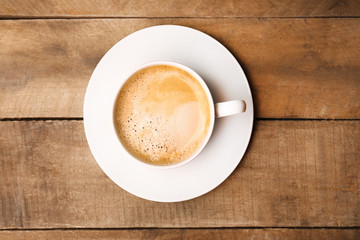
(297, 68)
(294, 174)
(191, 234)
(177, 8)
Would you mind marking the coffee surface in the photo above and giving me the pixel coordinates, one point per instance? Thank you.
(162, 115)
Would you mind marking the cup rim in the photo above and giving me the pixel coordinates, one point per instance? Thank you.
(209, 97)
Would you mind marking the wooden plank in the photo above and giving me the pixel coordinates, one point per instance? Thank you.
(178, 8)
(294, 174)
(192, 234)
(297, 68)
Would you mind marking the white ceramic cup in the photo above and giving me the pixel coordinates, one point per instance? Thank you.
(218, 110)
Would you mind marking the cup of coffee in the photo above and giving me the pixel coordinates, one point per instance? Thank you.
(164, 114)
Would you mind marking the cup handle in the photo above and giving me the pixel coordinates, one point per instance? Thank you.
(223, 109)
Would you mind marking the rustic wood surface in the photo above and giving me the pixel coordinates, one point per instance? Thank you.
(190, 234)
(297, 68)
(177, 8)
(299, 178)
(295, 174)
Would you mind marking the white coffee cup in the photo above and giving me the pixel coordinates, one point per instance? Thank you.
(217, 110)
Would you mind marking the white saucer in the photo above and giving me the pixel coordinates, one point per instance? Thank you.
(226, 81)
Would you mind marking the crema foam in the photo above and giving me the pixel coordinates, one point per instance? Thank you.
(162, 115)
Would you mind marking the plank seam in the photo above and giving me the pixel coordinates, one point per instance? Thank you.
(41, 119)
(257, 119)
(307, 119)
(172, 228)
(2, 18)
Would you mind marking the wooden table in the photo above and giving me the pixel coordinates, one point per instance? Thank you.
(299, 178)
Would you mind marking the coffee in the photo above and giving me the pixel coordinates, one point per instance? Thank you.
(162, 115)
